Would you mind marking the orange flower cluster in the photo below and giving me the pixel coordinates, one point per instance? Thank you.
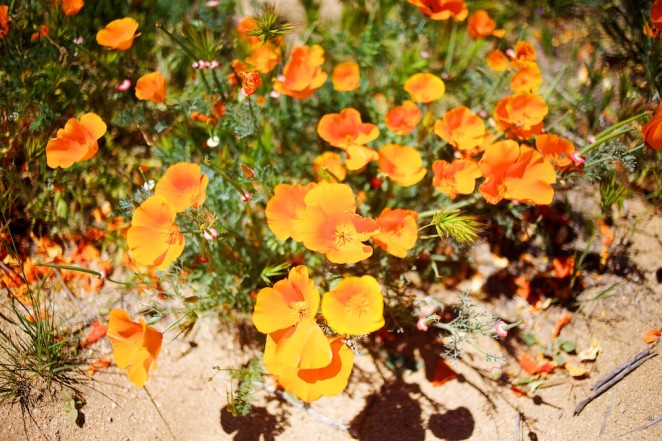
(398, 231)
(153, 237)
(324, 218)
(77, 141)
(481, 25)
(442, 9)
(457, 177)
(302, 74)
(346, 131)
(516, 172)
(118, 34)
(305, 361)
(652, 130)
(136, 346)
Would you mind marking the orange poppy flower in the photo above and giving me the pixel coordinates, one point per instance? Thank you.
(403, 119)
(43, 32)
(264, 58)
(521, 114)
(461, 128)
(524, 53)
(329, 224)
(136, 346)
(250, 81)
(346, 131)
(329, 167)
(481, 25)
(72, 7)
(346, 76)
(291, 306)
(527, 78)
(245, 27)
(497, 60)
(77, 141)
(425, 87)
(517, 173)
(285, 207)
(398, 231)
(656, 15)
(154, 238)
(652, 130)
(303, 74)
(183, 186)
(151, 87)
(4, 21)
(118, 34)
(457, 177)
(355, 306)
(442, 9)
(556, 150)
(311, 384)
(402, 164)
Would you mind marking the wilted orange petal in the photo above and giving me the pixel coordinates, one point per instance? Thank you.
(528, 363)
(443, 373)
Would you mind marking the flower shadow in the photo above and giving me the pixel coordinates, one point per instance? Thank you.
(259, 424)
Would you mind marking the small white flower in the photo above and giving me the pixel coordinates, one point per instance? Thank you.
(213, 141)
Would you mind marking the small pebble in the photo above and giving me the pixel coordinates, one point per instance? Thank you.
(622, 408)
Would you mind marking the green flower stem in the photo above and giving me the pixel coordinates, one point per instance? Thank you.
(81, 269)
(611, 132)
(227, 178)
(179, 41)
(451, 47)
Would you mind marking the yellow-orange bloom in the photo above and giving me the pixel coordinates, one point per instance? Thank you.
(403, 119)
(398, 231)
(442, 9)
(517, 173)
(481, 25)
(329, 167)
(457, 177)
(285, 207)
(524, 53)
(497, 60)
(355, 306)
(72, 7)
(183, 186)
(303, 74)
(264, 58)
(521, 115)
(136, 346)
(652, 130)
(402, 164)
(151, 87)
(346, 131)
(329, 224)
(154, 238)
(77, 141)
(346, 76)
(311, 384)
(556, 150)
(250, 81)
(461, 128)
(118, 34)
(425, 87)
(4, 21)
(527, 78)
(290, 307)
(245, 27)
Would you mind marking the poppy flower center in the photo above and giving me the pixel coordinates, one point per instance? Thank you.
(358, 306)
(173, 234)
(344, 234)
(300, 310)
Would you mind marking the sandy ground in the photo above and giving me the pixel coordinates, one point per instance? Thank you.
(185, 398)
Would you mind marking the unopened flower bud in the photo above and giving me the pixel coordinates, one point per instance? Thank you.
(214, 141)
(576, 158)
(496, 372)
(124, 85)
(210, 233)
(246, 197)
(501, 329)
(422, 324)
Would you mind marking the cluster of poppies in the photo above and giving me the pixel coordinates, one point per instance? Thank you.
(306, 361)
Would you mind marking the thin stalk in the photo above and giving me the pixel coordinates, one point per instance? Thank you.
(451, 48)
(227, 178)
